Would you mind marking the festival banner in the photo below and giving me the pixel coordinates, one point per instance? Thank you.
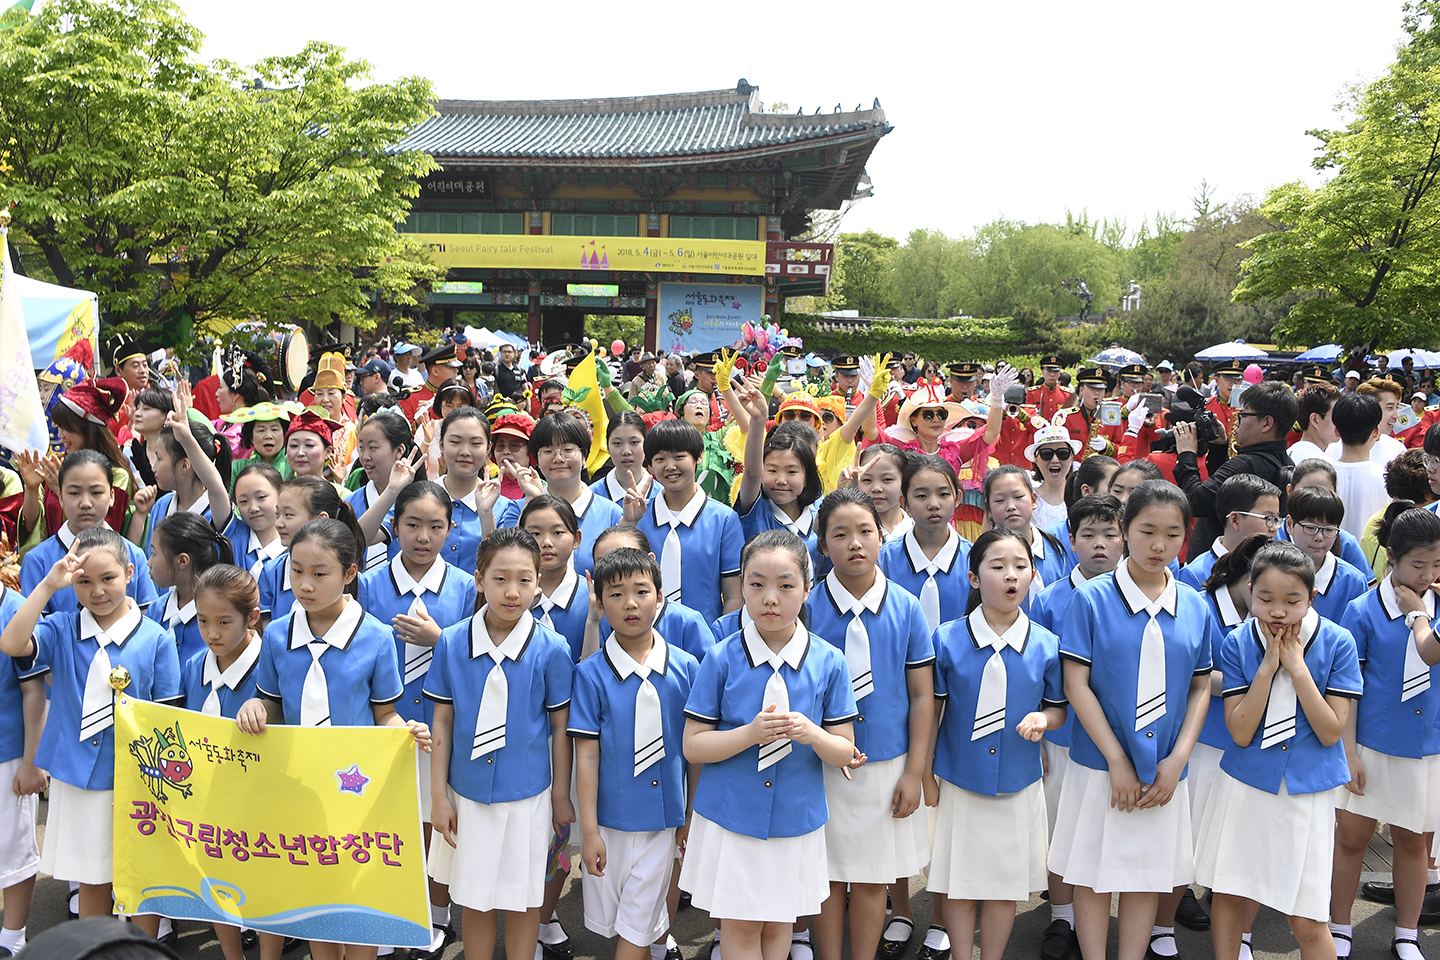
(639, 254)
(695, 317)
(22, 418)
(306, 832)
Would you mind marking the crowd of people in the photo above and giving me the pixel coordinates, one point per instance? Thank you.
(809, 628)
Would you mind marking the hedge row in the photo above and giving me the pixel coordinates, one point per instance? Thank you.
(985, 340)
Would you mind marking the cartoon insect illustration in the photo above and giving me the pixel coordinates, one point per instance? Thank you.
(164, 760)
(680, 322)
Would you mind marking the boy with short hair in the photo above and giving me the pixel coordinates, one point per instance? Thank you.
(627, 718)
(1246, 505)
(1359, 480)
(1313, 525)
(696, 539)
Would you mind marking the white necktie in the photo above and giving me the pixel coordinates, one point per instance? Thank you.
(777, 693)
(857, 651)
(315, 695)
(649, 734)
(1280, 711)
(1417, 674)
(1150, 685)
(990, 705)
(545, 605)
(930, 596)
(417, 656)
(494, 703)
(97, 708)
(670, 560)
(257, 567)
(210, 676)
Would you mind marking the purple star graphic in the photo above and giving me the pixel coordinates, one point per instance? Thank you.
(352, 780)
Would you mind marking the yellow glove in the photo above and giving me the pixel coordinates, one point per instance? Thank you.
(724, 369)
(880, 379)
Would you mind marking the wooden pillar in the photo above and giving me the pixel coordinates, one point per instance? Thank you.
(773, 303)
(532, 331)
(652, 316)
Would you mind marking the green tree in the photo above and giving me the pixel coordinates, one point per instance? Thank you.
(1361, 251)
(1008, 268)
(866, 262)
(174, 187)
(920, 270)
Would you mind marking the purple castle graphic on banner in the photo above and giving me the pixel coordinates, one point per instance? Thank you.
(595, 261)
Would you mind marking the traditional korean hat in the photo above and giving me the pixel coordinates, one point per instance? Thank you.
(311, 420)
(331, 374)
(97, 400)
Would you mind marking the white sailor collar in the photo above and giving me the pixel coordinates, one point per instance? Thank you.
(1135, 598)
(233, 676)
(341, 632)
(432, 580)
(983, 635)
(944, 559)
(793, 653)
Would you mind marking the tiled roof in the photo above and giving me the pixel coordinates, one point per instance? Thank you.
(628, 128)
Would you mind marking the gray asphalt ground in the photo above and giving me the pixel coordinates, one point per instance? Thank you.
(1374, 926)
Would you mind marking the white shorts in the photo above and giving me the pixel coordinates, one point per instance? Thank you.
(1057, 758)
(735, 877)
(863, 842)
(988, 848)
(1401, 791)
(1274, 849)
(19, 853)
(1097, 846)
(79, 838)
(499, 859)
(629, 900)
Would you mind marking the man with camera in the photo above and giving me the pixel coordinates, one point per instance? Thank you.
(1266, 414)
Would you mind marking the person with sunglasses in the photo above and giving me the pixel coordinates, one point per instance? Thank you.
(1053, 454)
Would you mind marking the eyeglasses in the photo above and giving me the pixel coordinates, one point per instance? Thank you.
(828, 417)
(1429, 462)
(1054, 453)
(1247, 413)
(930, 414)
(805, 415)
(1317, 530)
(1270, 519)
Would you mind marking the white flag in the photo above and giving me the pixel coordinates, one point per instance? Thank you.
(22, 418)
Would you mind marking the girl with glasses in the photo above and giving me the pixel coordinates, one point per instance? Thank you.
(1053, 453)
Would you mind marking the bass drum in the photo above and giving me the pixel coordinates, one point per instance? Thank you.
(294, 357)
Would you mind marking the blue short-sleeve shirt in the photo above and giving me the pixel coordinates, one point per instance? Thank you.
(610, 488)
(65, 643)
(449, 597)
(1336, 584)
(764, 515)
(1301, 763)
(276, 597)
(1103, 627)
(1048, 610)
(166, 505)
(1001, 761)
(566, 610)
(463, 544)
(180, 621)
(681, 627)
(360, 666)
(249, 553)
(900, 641)
(12, 716)
(1226, 617)
(1197, 571)
(904, 563)
(360, 500)
(710, 550)
(539, 673)
(786, 799)
(596, 514)
(201, 674)
(1052, 563)
(603, 709)
(39, 559)
(1384, 722)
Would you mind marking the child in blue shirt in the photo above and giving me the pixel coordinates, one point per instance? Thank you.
(1317, 472)
(781, 482)
(769, 706)
(501, 684)
(22, 715)
(358, 682)
(628, 722)
(625, 442)
(1094, 538)
(252, 533)
(1010, 500)
(182, 547)
(677, 623)
(192, 469)
(220, 680)
(562, 602)
(930, 560)
(79, 650)
(1137, 674)
(1394, 743)
(1268, 836)
(1245, 505)
(302, 500)
(1313, 525)
(998, 675)
(383, 439)
(874, 834)
(697, 539)
(85, 498)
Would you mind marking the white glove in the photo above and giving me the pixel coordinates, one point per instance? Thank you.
(1135, 421)
(1132, 403)
(1098, 444)
(1003, 379)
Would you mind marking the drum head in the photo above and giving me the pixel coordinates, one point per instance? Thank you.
(295, 357)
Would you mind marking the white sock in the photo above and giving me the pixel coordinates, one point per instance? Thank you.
(936, 938)
(439, 916)
(385, 952)
(800, 948)
(12, 940)
(1432, 876)
(1164, 946)
(1246, 951)
(657, 950)
(715, 945)
(1342, 942)
(1063, 911)
(803, 936)
(899, 928)
(539, 955)
(1407, 951)
(552, 933)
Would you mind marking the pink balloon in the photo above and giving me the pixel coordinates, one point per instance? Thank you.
(617, 348)
(1253, 373)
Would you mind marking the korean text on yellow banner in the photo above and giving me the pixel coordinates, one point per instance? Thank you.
(305, 832)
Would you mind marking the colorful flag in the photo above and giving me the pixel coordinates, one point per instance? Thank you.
(22, 418)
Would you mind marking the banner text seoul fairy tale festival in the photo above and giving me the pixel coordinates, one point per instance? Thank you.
(335, 852)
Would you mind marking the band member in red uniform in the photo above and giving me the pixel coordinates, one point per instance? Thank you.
(1049, 397)
(1083, 419)
(1228, 375)
(964, 381)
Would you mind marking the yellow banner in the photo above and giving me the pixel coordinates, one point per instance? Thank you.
(310, 833)
(639, 254)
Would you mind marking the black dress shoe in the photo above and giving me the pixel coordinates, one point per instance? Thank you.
(895, 949)
(1190, 914)
(291, 943)
(1383, 891)
(927, 952)
(1150, 953)
(673, 953)
(1060, 941)
(684, 900)
(1430, 906)
(557, 951)
(248, 939)
(447, 935)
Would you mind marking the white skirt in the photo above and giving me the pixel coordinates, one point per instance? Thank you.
(1200, 778)
(1097, 846)
(1057, 758)
(735, 877)
(1274, 849)
(19, 853)
(79, 842)
(424, 773)
(863, 842)
(1401, 791)
(989, 848)
(499, 860)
